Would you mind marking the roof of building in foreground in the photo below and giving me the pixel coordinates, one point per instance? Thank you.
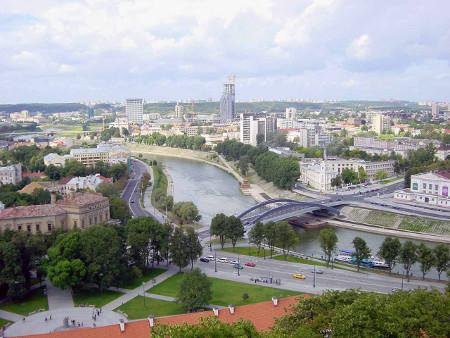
(262, 315)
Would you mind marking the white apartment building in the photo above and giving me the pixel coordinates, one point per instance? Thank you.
(339, 164)
(135, 111)
(56, 160)
(380, 122)
(430, 188)
(11, 174)
(251, 125)
(179, 111)
(317, 175)
(290, 113)
(117, 152)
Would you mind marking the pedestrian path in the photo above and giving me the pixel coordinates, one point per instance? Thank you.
(172, 299)
(12, 317)
(57, 298)
(139, 291)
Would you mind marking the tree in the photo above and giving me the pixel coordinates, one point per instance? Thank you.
(256, 235)
(381, 175)
(408, 256)
(139, 234)
(195, 290)
(218, 228)
(244, 161)
(328, 242)
(336, 181)
(166, 202)
(259, 138)
(349, 176)
(178, 249)
(234, 229)
(108, 190)
(426, 258)
(362, 174)
(194, 246)
(390, 251)
(119, 210)
(125, 132)
(442, 254)
(187, 212)
(362, 251)
(286, 237)
(270, 235)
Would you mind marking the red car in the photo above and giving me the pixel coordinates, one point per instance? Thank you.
(250, 264)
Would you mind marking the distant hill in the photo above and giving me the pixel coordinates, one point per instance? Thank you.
(44, 108)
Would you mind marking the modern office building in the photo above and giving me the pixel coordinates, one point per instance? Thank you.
(251, 125)
(135, 111)
(227, 103)
(11, 174)
(435, 110)
(90, 156)
(90, 111)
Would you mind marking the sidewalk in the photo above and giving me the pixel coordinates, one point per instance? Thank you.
(57, 298)
(130, 294)
(12, 317)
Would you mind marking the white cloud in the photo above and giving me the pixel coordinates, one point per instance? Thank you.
(67, 68)
(359, 48)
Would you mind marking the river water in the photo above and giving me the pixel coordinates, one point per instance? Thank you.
(214, 191)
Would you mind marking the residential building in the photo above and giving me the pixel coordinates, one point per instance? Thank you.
(428, 188)
(191, 130)
(56, 160)
(339, 164)
(435, 110)
(75, 210)
(135, 111)
(400, 145)
(285, 123)
(61, 142)
(227, 103)
(443, 152)
(90, 156)
(380, 122)
(11, 174)
(179, 111)
(90, 111)
(290, 113)
(317, 175)
(117, 153)
(120, 123)
(311, 136)
(41, 141)
(251, 125)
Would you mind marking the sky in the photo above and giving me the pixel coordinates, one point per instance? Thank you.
(89, 50)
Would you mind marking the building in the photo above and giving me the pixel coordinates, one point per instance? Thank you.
(285, 123)
(311, 136)
(56, 160)
(435, 110)
(443, 152)
(400, 145)
(227, 103)
(75, 210)
(11, 174)
(428, 188)
(251, 125)
(90, 111)
(191, 130)
(317, 175)
(135, 111)
(290, 113)
(179, 111)
(117, 153)
(339, 164)
(380, 122)
(90, 156)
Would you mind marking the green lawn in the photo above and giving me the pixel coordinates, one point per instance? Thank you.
(4, 322)
(225, 292)
(160, 180)
(387, 219)
(34, 300)
(159, 308)
(391, 180)
(138, 281)
(243, 250)
(94, 298)
(217, 241)
(425, 225)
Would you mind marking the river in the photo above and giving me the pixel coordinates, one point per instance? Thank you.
(214, 191)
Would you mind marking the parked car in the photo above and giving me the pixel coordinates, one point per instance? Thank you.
(250, 264)
(394, 290)
(210, 258)
(204, 259)
(317, 272)
(222, 260)
(234, 262)
(299, 276)
(132, 201)
(237, 266)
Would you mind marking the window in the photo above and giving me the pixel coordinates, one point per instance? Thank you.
(75, 223)
(430, 186)
(49, 226)
(436, 187)
(38, 225)
(101, 218)
(29, 227)
(19, 227)
(95, 220)
(424, 186)
(82, 223)
(90, 220)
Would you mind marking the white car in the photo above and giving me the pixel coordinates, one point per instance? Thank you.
(210, 258)
(222, 260)
(234, 262)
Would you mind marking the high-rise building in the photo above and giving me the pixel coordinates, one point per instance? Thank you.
(227, 102)
(251, 125)
(179, 110)
(290, 113)
(435, 110)
(90, 111)
(135, 111)
(380, 122)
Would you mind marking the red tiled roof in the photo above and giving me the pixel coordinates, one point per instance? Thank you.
(262, 315)
(83, 198)
(443, 173)
(105, 179)
(31, 175)
(32, 211)
(64, 180)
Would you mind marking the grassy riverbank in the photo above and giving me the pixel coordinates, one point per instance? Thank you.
(160, 179)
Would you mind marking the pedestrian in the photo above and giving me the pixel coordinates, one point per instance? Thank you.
(46, 319)
(50, 317)
(23, 320)
(100, 310)
(82, 324)
(95, 325)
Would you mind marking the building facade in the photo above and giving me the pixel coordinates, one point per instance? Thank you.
(75, 210)
(380, 122)
(317, 175)
(227, 103)
(428, 188)
(251, 125)
(90, 156)
(179, 111)
(339, 164)
(11, 174)
(135, 111)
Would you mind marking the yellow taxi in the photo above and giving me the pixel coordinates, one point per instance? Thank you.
(299, 276)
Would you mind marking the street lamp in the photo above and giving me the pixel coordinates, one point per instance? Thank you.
(143, 292)
(238, 266)
(101, 285)
(215, 261)
(264, 249)
(314, 277)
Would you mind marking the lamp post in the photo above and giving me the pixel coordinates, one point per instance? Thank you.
(238, 267)
(264, 249)
(143, 292)
(101, 285)
(215, 261)
(314, 277)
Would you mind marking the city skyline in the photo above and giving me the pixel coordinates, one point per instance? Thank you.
(324, 49)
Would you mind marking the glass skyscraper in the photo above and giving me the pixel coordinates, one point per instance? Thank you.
(227, 102)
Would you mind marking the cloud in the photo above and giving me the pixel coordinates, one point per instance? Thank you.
(67, 68)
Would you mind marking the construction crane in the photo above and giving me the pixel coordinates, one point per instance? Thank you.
(233, 78)
(192, 106)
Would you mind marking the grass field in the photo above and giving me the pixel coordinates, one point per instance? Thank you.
(386, 219)
(160, 180)
(94, 297)
(225, 292)
(244, 251)
(217, 241)
(391, 180)
(4, 322)
(159, 308)
(147, 276)
(34, 300)
(425, 225)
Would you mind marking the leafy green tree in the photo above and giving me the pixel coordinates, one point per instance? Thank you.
(193, 245)
(117, 170)
(244, 161)
(166, 202)
(328, 242)
(259, 138)
(362, 174)
(108, 190)
(362, 251)
(426, 258)
(286, 237)
(195, 290)
(187, 212)
(442, 254)
(381, 175)
(41, 196)
(256, 235)
(336, 181)
(349, 176)
(270, 235)
(178, 248)
(390, 251)
(408, 256)
(234, 229)
(119, 210)
(218, 228)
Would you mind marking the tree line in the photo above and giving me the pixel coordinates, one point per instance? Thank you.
(176, 141)
(393, 252)
(282, 171)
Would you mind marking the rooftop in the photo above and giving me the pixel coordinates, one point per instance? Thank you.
(32, 211)
(83, 198)
(88, 151)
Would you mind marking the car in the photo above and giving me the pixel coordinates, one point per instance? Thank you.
(250, 264)
(234, 262)
(237, 266)
(317, 272)
(204, 259)
(394, 290)
(210, 258)
(222, 260)
(132, 201)
(299, 276)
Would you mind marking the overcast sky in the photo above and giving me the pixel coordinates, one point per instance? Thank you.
(64, 51)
